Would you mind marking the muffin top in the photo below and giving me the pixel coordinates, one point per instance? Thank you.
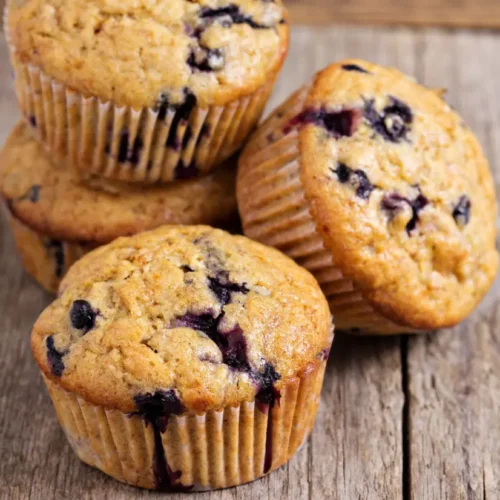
(184, 311)
(54, 200)
(144, 53)
(401, 192)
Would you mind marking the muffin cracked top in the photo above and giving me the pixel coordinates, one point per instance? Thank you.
(401, 192)
(150, 53)
(214, 319)
(53, 199)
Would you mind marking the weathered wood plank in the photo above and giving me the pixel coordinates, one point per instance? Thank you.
(451, 13)
(453, 375)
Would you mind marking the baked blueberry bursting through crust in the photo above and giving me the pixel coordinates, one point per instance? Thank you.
(461, 212)
(342, 123)
(54, 357)
(393, 122)
(355, 67)
(356, 178)
(394, 202)
(82, 316)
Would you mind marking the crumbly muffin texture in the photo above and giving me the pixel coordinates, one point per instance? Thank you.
(400, 191)
(183, 315)
(55, 201)
(152, 53)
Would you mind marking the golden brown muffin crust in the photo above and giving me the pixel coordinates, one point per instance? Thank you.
(52, 199)
(214, 317)
(400, 191)
(143, 53)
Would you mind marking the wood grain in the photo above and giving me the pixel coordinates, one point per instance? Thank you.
(450, 13)
(412, 418)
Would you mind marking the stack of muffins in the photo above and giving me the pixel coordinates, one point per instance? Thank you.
(183, 357)
(118, 96)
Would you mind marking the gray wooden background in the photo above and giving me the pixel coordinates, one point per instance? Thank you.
(401, 418)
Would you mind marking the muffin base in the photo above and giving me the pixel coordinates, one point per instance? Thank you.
(213, 450)
(45, 259)
(275, 211)
(134, 145)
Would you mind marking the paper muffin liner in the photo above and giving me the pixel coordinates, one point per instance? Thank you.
(135, 145)
(47, 260)
(275, 211)
(212, 450)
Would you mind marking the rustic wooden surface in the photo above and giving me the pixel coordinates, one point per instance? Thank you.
(451, 13)
(401, 418)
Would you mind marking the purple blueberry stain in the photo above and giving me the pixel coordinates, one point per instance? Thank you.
(32, 120)
(395, 202)
(156, 409)
(186, 171)
(342, 123)
(223, 288)
(393, 123)
(82, 316)
(54, 357)
(231, 342)
(128, 154)
(182, 114)
(461, 211)
(355, 68)
(229, 15)
(57, 248)
(33, 194)
(356, 178)
(266, 398)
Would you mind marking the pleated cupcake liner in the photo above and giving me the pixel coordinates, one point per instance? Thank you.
(47, 260)
(276, 212)
(134, 145)
(212, 450)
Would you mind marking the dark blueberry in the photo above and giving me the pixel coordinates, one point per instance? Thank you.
(183, 112)
(232, 343)
(58, 248)
(32, 120)
(394, 202)
(186, 172)
(357, 178)
(267, 394)
(34, 193)
(393, 123)
(354, 67)
(343, 123)
(223, 288)
(156, 410)
(82, 316)
(206, 60)
(54, 357)
(187, 269)
(158, 407)
(229, 15)
(461, 212)
(162, 106)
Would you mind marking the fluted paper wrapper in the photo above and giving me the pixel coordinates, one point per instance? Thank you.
(45, 259)
(275, 211)
(213, 450)
(135, 145)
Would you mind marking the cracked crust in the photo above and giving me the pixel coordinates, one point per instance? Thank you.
(421, 253)
(137, 52)
(140, 294)
(49, 197)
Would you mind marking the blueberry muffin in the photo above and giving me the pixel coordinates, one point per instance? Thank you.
(185, 358)
(374, 184)
(145, 91)
(57, 216)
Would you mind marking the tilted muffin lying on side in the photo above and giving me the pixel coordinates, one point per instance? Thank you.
(145, 91)
(374, 184)
(185, 358)
(57, 217)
